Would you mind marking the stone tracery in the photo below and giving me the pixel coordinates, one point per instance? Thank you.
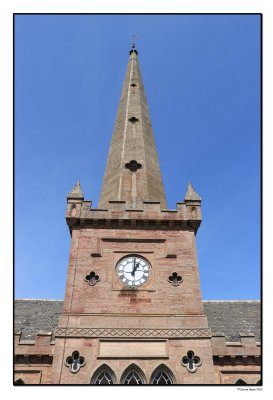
(75, 362)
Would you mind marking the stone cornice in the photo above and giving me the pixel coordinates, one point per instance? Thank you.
(117, 216)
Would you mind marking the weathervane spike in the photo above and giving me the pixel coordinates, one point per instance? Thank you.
(134, 38)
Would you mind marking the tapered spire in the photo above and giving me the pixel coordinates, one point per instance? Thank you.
(132, 172)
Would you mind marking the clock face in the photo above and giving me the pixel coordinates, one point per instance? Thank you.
(133, 271)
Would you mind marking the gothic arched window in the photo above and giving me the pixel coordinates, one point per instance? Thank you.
(104, 375)
(19, 382)
(162, 375)
(240, 382)
(133, 376)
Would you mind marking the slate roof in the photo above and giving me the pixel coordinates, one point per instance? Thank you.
(228, 317)
(231, 317)
(33, 315)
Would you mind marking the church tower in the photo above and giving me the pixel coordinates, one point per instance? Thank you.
(133, 311)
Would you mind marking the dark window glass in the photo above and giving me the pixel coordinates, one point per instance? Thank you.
(133, 378)
(162, 378)
(19, 382)
(240, 382)
(104, 378)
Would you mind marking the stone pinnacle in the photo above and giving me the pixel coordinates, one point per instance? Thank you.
(76, 192)
(191, 193)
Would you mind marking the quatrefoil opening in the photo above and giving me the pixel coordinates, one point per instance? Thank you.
(175, 279)
(133, 165)
(191, 362)
(92, 278)
(75, 362)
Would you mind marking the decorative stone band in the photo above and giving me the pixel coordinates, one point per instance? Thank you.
(132, 332)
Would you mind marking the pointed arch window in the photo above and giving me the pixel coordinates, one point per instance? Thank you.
(240, 382)
(162, 375)
(19, 382)
(133, 375)
(104, 375)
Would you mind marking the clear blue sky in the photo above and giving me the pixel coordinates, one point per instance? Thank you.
(202, 79)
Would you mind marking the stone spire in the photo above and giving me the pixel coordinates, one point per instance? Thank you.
(76, 192)
(191, 193)
(132, 172)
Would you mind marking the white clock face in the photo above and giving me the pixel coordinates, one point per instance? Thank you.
(133, 271)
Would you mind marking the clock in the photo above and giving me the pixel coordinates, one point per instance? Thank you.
(133, 271)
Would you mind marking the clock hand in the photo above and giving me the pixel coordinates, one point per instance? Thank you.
(133, 271)
(135, 268)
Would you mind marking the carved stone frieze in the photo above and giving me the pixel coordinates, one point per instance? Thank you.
(133, 332)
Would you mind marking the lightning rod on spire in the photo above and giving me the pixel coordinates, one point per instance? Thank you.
(134, 39)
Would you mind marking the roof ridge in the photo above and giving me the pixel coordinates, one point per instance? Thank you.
(231, 301)
(204, 301)
(38, 299)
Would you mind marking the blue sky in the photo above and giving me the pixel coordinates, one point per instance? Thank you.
(202, 80)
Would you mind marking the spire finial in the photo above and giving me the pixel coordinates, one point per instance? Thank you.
(133, 39)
